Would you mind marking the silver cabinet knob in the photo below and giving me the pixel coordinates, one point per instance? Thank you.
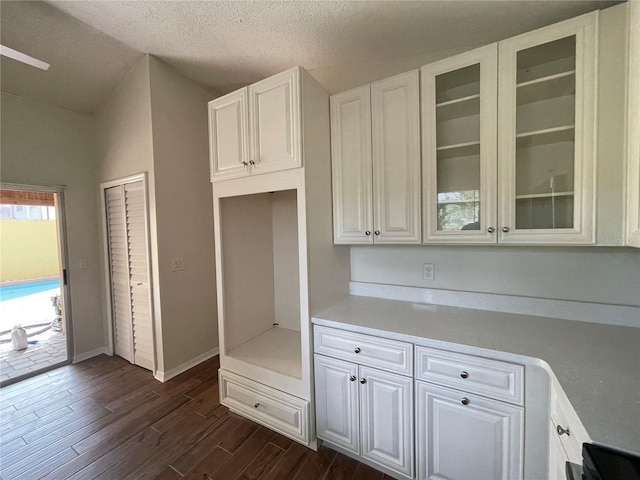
(377, 232)
(464, 374)
(244, 164)
(505, 229)
(491, 229)
(352, 378)
(363, 381)
(367, 233)
(562, 431)
(256, 405)
(251, 162)
(357, 350)
(465, 401)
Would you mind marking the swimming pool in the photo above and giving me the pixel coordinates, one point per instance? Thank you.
(17, 291)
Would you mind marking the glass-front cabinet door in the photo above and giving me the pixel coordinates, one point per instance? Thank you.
(547, 134)
(459, 119)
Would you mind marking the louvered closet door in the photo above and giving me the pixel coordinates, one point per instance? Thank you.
(128, 266)
(119, 270)
(139, 274)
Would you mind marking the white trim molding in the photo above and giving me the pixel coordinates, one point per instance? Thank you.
(174, 372)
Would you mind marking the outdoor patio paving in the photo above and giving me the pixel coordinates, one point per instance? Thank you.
(50, 350)
(51, 346)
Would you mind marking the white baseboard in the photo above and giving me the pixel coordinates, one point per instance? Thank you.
(174, 372)
(91, 353)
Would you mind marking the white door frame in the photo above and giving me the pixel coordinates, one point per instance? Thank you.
(65, 277)
(107, 271)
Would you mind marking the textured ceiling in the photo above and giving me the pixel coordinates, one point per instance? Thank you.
(230, 43)
(86, 65)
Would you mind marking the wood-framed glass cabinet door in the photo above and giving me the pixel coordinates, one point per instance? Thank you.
(546, 148)
(459, 122)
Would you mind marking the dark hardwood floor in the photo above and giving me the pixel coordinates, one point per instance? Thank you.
(107, 419)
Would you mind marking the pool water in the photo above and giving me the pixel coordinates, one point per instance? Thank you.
(18, 291)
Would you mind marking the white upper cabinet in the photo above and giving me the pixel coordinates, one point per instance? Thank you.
(395, 133)
(257, 128)
(546, 149)
(228, 142)
(633, 129)
(351, 166)
(459, 136)
(375, 137)
(509, 140)
(274, 123)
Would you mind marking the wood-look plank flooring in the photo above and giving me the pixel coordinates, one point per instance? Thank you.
(107, 419)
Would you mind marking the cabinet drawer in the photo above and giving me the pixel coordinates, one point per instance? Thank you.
(565, 430)
(364, 349)
(491, 378)
(276, 410)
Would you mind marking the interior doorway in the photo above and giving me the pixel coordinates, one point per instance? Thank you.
(33, 286)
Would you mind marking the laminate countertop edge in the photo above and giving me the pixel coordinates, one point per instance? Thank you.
(597, 365)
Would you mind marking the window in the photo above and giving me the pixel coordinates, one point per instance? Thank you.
(27, 212)
(459, 210)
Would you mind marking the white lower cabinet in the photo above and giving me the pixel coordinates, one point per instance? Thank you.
(467, 437)
(367, 412)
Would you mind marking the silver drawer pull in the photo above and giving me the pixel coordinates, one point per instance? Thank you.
(464, 374)
(352, 378)
(562, 431)
(256, 405)
(465, 401)
(363, 381)
(357, 350)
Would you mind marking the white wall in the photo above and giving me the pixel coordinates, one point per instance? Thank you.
(588, 274)
(45, 145)
(156, 122)
(125, 147)
(184, 211)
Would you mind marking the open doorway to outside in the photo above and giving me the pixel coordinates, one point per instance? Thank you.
(32, 282)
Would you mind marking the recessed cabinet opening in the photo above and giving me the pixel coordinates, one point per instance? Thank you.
(260, 268)
(458, 149)
(545, 135)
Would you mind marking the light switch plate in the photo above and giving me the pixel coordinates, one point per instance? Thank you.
(177, 264)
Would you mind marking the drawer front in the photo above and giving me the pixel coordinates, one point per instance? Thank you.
(366, 350)
(276, 410)
(491, 378)
(565, 430)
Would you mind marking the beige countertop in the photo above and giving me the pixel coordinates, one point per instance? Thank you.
(598, 366)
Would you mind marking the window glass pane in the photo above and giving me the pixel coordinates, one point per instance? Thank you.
(52, 213)
(545, 123)
(5, 212)
(20, 212)
(459, 210)
(35, 213)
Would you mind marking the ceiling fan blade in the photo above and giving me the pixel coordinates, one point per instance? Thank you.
(23, 57)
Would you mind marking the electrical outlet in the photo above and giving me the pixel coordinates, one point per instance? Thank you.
(177, 264)
(82, 263)
(429, 271)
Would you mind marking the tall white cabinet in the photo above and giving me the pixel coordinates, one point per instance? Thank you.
(375, 141)
(275, 262)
